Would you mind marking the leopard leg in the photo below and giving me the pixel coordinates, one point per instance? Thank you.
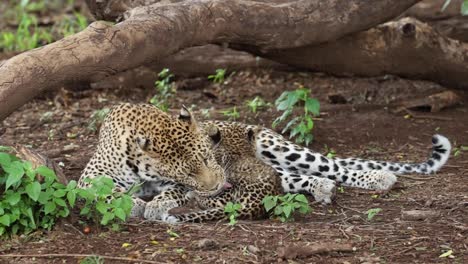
(274, 150)
(177, 195)
(249, 196)
(322, 189)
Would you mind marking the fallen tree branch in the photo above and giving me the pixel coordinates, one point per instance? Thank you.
(303, 251)
(407, 48)
(153, 32)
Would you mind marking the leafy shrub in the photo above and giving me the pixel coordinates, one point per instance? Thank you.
(102, 204)
(232, 210)
(165, 90)
(300, 126)
(283, 207)
(26, 204)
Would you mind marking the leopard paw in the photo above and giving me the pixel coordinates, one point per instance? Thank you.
(138, 208)
(382, 180)
(156, 210)
(324, 191)
(170, 219)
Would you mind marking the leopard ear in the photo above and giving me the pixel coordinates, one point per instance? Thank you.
(185, 114)
(142, 143)
(252, 133)
(214, 133)
(187, 117)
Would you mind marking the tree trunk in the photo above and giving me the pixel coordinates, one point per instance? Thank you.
(152, 32)
(407, 48)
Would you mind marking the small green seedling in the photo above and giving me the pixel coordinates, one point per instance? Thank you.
(231, 113)
(232, 210)
(172, 233)
(218, 77)
(97, 117)
(457, 151)
(165, 89)
(256, 104)
(371, 213)
(283, 207)
(300, 126)
(92, 260)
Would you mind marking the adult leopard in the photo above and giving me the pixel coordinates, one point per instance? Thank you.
(176, 160)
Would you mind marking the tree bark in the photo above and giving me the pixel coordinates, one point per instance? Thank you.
(152, 32)
(407, 48)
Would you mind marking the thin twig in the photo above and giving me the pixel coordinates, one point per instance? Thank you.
(416, 178)
(76, 256)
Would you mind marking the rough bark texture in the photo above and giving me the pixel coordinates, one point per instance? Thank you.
(156, 31)
(407, 48)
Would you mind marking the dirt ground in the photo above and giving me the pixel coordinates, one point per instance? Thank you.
(365, 126)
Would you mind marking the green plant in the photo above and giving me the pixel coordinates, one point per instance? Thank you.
(300, 126)
(231, 113)
(371, 213)
(97, 117)
(102, 204)
(165, 89)
(331, 153)
(463, 8)
(283, 207)
(256, 104)
(72, 24)
(457, 151)
(218, 77)
(232, 210)
(27, 203)
(92, 260)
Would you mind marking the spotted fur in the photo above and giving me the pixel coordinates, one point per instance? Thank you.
(300, 168)
(139, 144)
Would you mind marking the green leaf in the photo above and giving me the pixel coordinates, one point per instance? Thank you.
(71, 197)
(71, 185)
(446, 254)
(464, 8)
(301, 198)
(4, 159)
(29, 213)
(13, 198)
(60, 193)
(5, 220)
(312, 105)
(287, 210)
(60, 202)
(373, 212)
(49, 207)
(102, 207)
(278, 210)
(46, 172)
(14, 172)
(106, 218)
(268, 203)
(119, 212)
(33, 190)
